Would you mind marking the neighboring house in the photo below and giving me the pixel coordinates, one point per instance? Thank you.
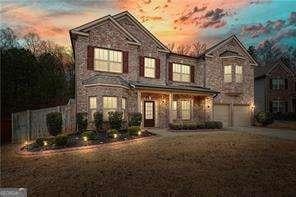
(275, 88)
(121, 66)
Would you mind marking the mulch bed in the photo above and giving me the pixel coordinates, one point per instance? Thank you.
(76, 142)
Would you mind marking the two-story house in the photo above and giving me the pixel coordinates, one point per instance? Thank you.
(121, 66)
(275, 88)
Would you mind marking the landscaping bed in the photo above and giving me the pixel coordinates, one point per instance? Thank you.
(87, 138)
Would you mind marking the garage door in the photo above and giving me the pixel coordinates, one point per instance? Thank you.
(241, 116)
(221, 113)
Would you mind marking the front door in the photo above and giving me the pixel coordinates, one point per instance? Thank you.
(149, 117)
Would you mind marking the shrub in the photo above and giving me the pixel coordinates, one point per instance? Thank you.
(111, 132)
(91, 135)
(81, 119)
(213, 125)
(54, 123)
(264, 118)
(98, 118)
(189, 125)
(133, 130)
(61, 140)
(115, 120)
(135, 119)
(200, 125)
(40, 141)
(175, 126)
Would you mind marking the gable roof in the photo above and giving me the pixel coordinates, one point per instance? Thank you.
(262, 71)
(130, 16)
(223, 42)
(85, 28)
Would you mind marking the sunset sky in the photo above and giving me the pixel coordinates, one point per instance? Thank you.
(181, 21)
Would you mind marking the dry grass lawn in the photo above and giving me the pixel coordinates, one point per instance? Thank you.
(224, 163)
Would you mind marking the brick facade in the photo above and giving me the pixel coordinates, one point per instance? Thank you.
(208, 73)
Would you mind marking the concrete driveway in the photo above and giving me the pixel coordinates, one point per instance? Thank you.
(277, 133)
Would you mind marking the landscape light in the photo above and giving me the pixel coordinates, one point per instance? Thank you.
(26, 143)
(85, 138)
(139, 132)
(115, 135)
(45, 143)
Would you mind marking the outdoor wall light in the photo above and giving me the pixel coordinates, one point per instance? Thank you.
(45, 143)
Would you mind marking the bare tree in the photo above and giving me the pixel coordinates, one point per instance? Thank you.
(183, 49)
(32, 42)
(197, 48)
(7, 38)
(193, 49)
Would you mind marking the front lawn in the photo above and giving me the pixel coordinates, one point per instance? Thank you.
(224, 163)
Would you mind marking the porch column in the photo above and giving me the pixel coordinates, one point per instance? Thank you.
(139, 101)
(170, 107)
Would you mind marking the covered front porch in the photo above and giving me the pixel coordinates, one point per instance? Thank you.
(161, 107)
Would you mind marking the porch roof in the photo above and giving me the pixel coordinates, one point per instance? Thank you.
(188, 88)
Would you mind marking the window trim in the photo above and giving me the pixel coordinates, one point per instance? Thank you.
(241, 74)
(154, 67)
(190, 108)
(91, 109)
(278, 87)
(109, 108)
(174, 110)
(224, 74)
(110, 49)
(278, 102)
(174, 63)
(123, 109)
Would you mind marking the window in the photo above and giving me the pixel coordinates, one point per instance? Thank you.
(123, 106)
(278, 106)
(92, 106)
(227, 73)
(108, 60)
(238, 74)
(181, 72)
(185, 109)
(277, 84)
(174, 110)
(109, 105)
(149, 67)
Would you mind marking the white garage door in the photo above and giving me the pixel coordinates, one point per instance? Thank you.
(221, 113)
(241, 115)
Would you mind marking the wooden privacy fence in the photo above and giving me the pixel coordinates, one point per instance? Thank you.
(31, 124)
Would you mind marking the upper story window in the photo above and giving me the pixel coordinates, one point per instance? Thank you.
(238, 73)
(181, 72)
(277, 84)
(108, 60)
(92, 106)
(109, 105)
(228, 73)
(149, 67)
(185, 109)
